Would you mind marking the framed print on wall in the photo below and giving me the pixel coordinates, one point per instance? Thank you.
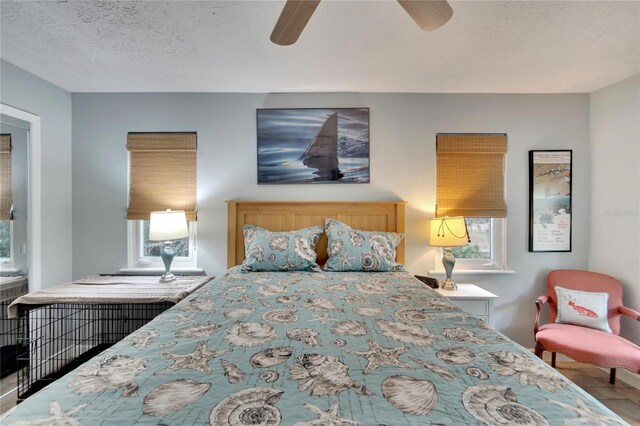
(313, 145)
(550, 207)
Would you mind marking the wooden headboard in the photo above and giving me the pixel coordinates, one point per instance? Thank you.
(385, 216)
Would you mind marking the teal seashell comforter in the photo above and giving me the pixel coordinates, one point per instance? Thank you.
(313, 348)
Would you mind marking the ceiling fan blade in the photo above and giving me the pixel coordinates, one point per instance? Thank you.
(292, 20)
(428, 14)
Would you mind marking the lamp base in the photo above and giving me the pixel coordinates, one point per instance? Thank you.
(167, 257)
(448, 285)
(167, 277)
(448, 261)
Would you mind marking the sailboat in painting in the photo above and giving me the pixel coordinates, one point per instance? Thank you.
(322, 153)
(313, 145)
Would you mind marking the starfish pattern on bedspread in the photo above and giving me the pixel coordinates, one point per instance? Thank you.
(322, 318)
(327, 418)
(57, 416)
(346, 260)
(197, 360)
(378, 355)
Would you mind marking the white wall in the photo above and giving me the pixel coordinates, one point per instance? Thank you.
(52, 104)
(615, 186)
(403, 128)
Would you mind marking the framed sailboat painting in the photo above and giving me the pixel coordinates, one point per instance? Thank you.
(313, 145)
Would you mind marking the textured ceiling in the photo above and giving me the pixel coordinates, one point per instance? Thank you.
(348, 46)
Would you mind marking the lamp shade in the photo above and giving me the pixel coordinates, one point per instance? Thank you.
(448, 232)
(168, 225)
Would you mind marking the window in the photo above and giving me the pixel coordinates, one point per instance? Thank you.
(144, 253)
(6, 202)
(470, 182)
(487, 248)
(162, 175)
(6, 243)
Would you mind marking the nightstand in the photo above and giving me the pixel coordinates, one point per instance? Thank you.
(472, 299)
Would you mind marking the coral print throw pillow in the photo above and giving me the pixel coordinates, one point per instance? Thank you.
(585, 308)
(280, 251)
(354, 250)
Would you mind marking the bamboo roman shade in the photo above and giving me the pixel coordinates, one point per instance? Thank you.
(6, 178)
(471, 175)
(162, 173)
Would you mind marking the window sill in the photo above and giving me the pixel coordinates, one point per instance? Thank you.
(476, 272)
(160, 271)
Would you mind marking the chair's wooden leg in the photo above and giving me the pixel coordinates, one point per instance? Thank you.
(539, 350)
(612, 376)
(553, 359)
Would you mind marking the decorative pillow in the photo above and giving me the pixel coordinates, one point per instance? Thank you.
(266, 250)
(354, 250)
(585, 308)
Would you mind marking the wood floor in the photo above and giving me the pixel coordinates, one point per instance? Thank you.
(8, 396)
(621, 398)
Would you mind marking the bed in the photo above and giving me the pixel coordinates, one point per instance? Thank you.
(312, 348)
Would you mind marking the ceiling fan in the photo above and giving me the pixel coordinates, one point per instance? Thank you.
(428, 14)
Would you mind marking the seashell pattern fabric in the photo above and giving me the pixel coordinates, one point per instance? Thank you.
(280, 316)
(493, 405)
(410, 395)
(232, 373)
(352, 348)
(270, 357)
(142, 338)
(197, 331)
(173, 396)
(280, 251)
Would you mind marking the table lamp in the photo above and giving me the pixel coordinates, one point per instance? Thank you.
(167, 226)
(448, 232)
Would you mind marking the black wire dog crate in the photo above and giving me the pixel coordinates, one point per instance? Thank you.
(56, 338)
(11, 288)
(9, 333)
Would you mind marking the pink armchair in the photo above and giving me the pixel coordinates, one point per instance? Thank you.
(607, 350)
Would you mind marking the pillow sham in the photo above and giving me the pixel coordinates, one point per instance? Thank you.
(355, 250)
(266, 250)
(585, 308)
